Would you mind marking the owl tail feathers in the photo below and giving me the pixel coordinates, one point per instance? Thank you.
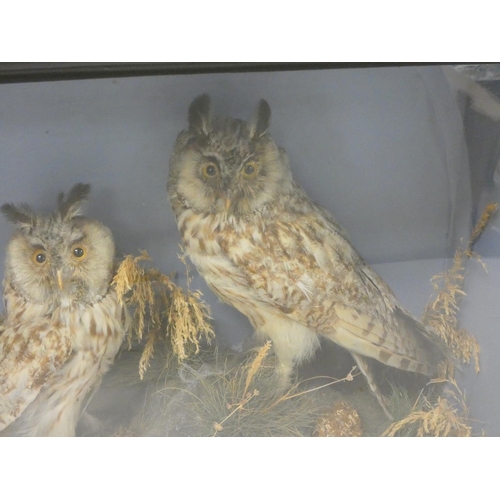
(433, 349)
(405, 347)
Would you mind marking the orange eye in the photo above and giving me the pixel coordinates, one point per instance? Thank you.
(210, 170)
(39, 257)
(79, 252)
(250, 170)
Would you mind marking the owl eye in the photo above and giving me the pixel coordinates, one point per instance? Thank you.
(39, 257)
(210, 170)
(250, 170)
(79, 252)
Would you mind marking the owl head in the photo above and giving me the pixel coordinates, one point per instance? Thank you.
(225, 165)
(60, 258)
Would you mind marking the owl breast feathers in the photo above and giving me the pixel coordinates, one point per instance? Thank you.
(62, 324)
(265, 248)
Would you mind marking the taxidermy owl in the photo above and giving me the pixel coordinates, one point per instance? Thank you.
(63, 324)
(265, 248)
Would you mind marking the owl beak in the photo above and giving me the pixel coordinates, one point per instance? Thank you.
(59, 279)
(228, 203)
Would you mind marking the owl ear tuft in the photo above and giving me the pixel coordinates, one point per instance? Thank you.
(199, 115)
(259, 124)
(22, 215)
(71, 207)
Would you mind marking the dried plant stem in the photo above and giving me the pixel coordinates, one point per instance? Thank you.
(218, 426)
(348, 378)
(481, 225)
(256, 364)
(162, 310)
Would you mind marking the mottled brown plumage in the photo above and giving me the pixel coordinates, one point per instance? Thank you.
(62, 324)
(265, 248)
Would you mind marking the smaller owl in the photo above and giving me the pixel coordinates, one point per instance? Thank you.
(62, 324)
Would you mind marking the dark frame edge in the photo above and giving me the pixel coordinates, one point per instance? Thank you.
(39, 72)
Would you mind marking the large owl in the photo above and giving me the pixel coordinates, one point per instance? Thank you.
(63, 324)
(265, 248)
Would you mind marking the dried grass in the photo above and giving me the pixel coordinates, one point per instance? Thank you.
(243, 401)
(441, 314)
(440, 418)
(481, 225)
(163, 312)
(446, 416)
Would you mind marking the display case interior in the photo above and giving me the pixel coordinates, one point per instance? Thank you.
(404, 158)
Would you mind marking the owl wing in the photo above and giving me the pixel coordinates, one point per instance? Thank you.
(305, 266)
(29, 354)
